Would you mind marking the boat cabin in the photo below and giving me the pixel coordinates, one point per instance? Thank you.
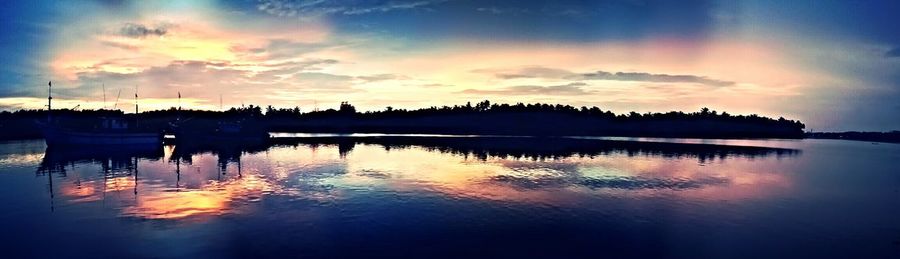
(113, 123)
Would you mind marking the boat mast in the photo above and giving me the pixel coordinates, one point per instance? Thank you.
(49, 99)
(178, 114)
(104, 95)
(116, 105)
(135, 100)
(136, 118)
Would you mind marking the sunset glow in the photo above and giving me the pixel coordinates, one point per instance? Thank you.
(414, 54)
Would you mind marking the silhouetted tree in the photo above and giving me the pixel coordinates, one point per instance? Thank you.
(482, 118)
(347, 108)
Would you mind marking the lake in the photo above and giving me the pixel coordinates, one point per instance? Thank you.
(454, 196)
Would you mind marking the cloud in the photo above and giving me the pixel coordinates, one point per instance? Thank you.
(437, 85)
(322, 77)
(553, 73)
(528, 72)
(426, 85)
(277, 83)
(206, 79)
(134, 30)
(328, 81)
(281, 49)
(566, 89)
(120, 45)
(306, 8)
(320, 81)
(240, 49)
(502, 10)
(284, 70)
(381, 77)
(164, 78)
(893, 53)
(294, 66)
(658, 78)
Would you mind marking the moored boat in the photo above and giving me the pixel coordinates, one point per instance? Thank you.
(222, 132)
(110, 132)
(104, 131)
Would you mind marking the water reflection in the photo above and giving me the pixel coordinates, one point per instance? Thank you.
(543, 148)
(201, 180)
(109, 174)
(410, 196)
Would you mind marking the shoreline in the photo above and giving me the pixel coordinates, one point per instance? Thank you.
(284, 134)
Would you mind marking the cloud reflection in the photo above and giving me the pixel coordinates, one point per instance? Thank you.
(199, 184)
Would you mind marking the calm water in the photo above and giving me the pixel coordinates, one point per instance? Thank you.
(449, 197)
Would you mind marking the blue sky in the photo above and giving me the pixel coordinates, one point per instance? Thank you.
(833, 64)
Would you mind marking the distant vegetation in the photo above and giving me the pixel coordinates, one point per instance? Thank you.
(482, 118)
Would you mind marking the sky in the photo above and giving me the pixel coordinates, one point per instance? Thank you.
(835, 65)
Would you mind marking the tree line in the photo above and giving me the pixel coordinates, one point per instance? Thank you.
(480, 118)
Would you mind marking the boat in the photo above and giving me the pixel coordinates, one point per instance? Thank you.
(110, 131)
(223, 132)
(103, 131)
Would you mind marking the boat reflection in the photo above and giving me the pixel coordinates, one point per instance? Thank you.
(202, 180)
(111, 159)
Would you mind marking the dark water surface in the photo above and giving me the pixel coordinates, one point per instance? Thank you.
(371, 196)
